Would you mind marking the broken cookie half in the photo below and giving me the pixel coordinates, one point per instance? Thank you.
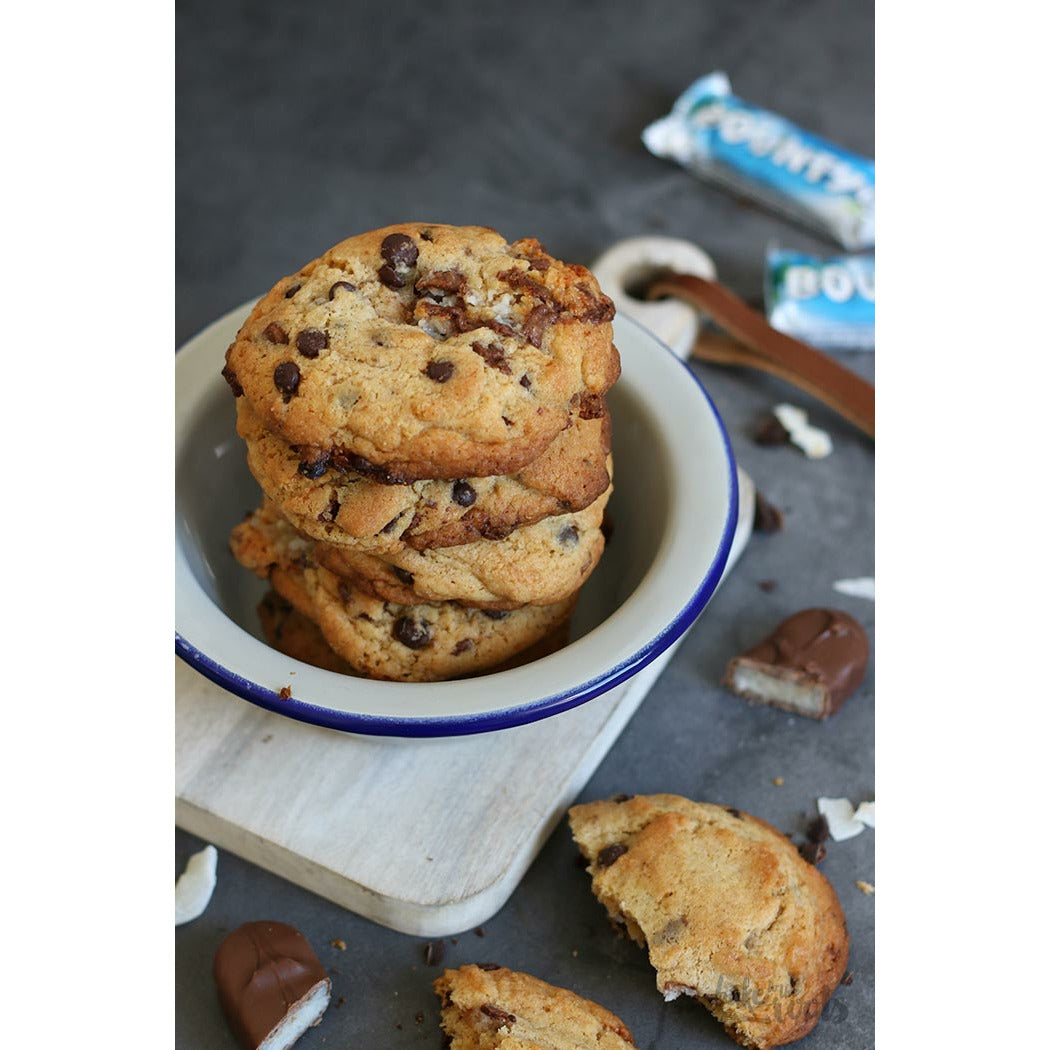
(488, 1006)
(729, 912)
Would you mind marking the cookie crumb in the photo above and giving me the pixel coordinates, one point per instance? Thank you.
(339, 944)
(864, 887)
(286, 692)
(419, 1017)
(770, 431)
(480, 931)
(778, 782)
(768, 518)
(767, 585)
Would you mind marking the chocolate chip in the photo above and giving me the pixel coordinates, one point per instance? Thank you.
(495, 614)
(608, 527)
(341, 284)
(813, 852)
(413, 633)
(445, 282)
(488, 966)
(286, 378)
(770, 431)
(439, 371)
(331, 512)
(569, 536)
(480, 931)
(390, 526)
(590, 406)
(275, 333)
(622, 797)
(390, 277)
(292, 289)
(847, 979)
(433, 952)
(463, 494)
(310, 342)
(231, 378)
(817, 829)
(346, 592)
(501, 1017)
(493, 355)
(539, 263)
(525, 382)
(314, 467)
(735, 995)
(522, 282)
(539, 320)
(462, 646)
(426, 235)
(734, 812)
(767, 517)
(403, 575)
(611, 854)
(398, 249)
(509, 422)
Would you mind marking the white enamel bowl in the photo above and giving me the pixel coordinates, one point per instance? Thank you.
(674, 509)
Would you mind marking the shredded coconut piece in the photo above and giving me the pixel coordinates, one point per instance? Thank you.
(842, 821)
(195, 885)
(816, 443)
(864, 887)
(866, 813)
(861, 587)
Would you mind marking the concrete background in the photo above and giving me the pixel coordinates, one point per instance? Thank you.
(302, 124)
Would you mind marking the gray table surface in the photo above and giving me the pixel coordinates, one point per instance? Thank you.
(299, 124)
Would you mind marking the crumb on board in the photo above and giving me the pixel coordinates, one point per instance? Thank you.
(338, 944)
(778, 782)
(286, 692)
(864, 887)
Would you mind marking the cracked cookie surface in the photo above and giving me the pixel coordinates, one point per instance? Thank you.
(730, 912)
(340, 507)
(425, 351)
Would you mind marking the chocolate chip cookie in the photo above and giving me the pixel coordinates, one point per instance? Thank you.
(730, 912)
(425, 351)
(347, 507)
(486, 1006)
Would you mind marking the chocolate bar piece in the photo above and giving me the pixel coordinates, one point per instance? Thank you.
(272, 986)
(809, 665)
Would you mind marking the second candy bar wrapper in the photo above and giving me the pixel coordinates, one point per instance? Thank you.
(760, 155)
(829, 303)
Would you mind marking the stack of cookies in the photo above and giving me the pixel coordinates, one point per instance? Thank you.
(424, 410)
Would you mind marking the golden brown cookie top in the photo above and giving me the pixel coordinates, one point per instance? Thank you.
(729, 911)
(425, 351)
(488, 1007)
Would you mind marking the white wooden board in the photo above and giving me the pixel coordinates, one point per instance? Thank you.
(429, 837)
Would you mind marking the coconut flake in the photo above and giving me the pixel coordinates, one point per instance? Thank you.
(866, 813)
(195, 885)
(842, 822)
(861, 587)
(816, 443)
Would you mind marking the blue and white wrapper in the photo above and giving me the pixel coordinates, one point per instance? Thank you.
(829, 303)
(760, 155)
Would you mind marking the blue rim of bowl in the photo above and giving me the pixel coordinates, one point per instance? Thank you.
(508, 717)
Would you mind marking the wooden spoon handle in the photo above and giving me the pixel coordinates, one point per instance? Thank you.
(765, 348)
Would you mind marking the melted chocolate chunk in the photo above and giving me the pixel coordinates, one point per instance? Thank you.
(341, 284)
(493, 355)
(415, 634)
(439, 371)
(231, 378)
(286, 378)
(540, 318)
(463, 494)
(315, 466)
(310, 342)
(390, 277)
(611, 854)
(501, 1017)
(404, 575)
(732, 811)
(349, 462)
(331, 512)
(525, 382)
(292, 289)
(520, 281)
(496, 614)
(262, 969)
(569, 536)
(398, 249)
(462, 646)
(276, 334)
(444, 282)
